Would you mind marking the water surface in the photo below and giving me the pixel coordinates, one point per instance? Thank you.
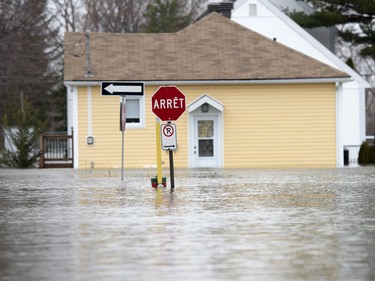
(217, 225)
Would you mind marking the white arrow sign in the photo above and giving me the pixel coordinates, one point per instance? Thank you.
(122, 88)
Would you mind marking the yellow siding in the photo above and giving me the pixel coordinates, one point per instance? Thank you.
(106, 151)
(264, 126)
(293, 127)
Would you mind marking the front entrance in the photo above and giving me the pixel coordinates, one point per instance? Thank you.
(206, 133)
(206, 142)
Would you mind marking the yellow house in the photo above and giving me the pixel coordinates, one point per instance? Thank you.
(250, 101)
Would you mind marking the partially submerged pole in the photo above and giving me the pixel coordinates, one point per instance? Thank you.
(122, 125)
(158, 153)
(171, 169)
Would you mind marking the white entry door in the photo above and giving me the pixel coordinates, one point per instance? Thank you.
(206, 141)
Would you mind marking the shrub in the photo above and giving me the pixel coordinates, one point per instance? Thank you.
(372, 154)
(24, 140)
(24, 137)
(366, 154)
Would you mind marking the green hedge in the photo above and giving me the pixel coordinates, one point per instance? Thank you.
(366, 154)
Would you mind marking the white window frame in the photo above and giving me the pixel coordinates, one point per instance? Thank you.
(141, 123)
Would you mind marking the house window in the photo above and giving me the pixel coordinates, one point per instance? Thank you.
(134, 112)
(253, 10)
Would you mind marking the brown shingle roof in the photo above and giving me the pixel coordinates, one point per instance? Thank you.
(214, 48)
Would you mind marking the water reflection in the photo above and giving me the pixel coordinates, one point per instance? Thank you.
(217, 225)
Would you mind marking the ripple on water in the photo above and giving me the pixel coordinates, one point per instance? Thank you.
(217, 225)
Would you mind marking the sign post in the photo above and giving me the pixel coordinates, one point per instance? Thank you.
(169, 142)
(159, 177)
(122, 128)
(122, 88)
(168, 103)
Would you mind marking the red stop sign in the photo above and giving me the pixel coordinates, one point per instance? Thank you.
(168, 103)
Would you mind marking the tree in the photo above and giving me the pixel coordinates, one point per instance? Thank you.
(356, 18)
(170, 15)
(23, 136)
(31, 40)
(113, 15)
(29, 52)
(67, 13)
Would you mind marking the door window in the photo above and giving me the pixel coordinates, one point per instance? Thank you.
(205, 138)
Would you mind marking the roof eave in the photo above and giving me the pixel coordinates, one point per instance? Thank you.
(222, 82)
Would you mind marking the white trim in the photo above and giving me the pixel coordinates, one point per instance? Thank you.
(142, 112)
(314, 42)
(225, 82)
(219, 108)
(72, 93)
(215, 160)
(362, 114)
(205, 99)
(89, 111)
(238, 3)
(339, 145)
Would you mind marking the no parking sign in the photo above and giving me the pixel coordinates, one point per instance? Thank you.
(168, 136)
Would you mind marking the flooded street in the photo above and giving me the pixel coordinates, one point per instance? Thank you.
(217, 225)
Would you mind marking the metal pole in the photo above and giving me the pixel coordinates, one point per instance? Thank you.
(171, 168)
(158, 153)
(123, 98)
(122, 157)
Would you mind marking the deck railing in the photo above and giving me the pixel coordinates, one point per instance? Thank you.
(56, 151)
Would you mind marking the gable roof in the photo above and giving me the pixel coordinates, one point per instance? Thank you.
(214, 48)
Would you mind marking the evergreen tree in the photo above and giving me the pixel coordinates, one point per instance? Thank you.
(29, 53)
(167, 16)
(23, 136)
(357, 18)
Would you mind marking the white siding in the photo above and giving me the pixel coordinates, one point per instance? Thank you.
(272, 23)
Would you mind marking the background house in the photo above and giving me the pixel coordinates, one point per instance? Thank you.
(268, 18)
(266, 105)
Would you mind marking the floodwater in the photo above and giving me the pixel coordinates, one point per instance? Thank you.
(217, 225)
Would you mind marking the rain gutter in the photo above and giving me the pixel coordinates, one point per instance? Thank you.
(221, 82)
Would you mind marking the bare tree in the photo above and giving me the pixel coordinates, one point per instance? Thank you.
(67, 13)
(113, 15)
(31, 40)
